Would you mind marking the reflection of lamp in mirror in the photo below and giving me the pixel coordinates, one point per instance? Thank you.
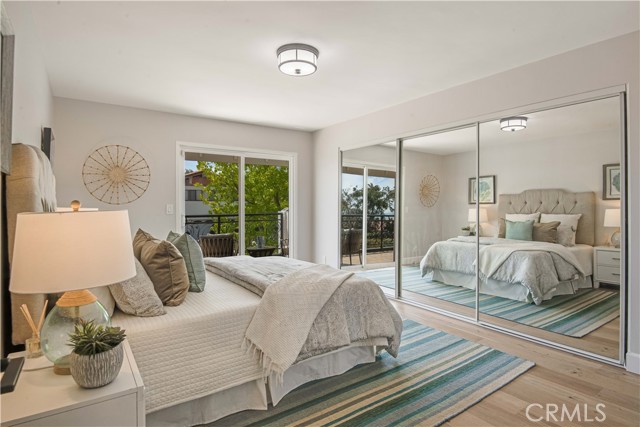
(70, 252)
(612, 219)
(472, 218)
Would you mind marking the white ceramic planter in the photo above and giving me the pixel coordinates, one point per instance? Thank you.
(96, 370)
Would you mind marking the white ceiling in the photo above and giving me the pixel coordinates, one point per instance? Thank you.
(579, 119)
(218, 60)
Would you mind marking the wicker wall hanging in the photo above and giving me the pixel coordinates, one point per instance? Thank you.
(429, 190)
(116, 174)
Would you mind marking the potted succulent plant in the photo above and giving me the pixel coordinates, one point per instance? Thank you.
(97, 354)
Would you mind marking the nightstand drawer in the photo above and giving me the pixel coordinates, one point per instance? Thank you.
(608, 258)
(608, 274)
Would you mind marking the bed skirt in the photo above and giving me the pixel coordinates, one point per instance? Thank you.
(257, 394)
(514, 291)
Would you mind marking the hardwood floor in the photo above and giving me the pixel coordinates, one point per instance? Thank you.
(558, 379)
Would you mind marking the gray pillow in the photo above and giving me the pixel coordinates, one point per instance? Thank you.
(137, 296)
(519, 230)
(192, 253)
(546, 232)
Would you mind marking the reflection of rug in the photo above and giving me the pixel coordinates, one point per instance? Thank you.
(435, 377)
(572, 315)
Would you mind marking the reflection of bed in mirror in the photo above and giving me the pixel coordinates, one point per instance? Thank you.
(531, 271)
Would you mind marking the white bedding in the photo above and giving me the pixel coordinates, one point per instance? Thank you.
(175, 352)
(528, 274)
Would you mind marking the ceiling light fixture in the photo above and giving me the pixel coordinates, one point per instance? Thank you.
(512, 124)
(297, 59)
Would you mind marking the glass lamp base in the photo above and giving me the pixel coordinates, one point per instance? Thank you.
(615, 239)
(60, 322)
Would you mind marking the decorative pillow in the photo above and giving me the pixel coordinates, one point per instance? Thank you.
(519, 230)
(137, 296)
(105, 298)
(546, 232)
(166, 268)
(567, 228)
(139, 240)
(535, 217)
(192, 254)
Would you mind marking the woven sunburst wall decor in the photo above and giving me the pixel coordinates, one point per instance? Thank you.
(429, 190)
(116, 174)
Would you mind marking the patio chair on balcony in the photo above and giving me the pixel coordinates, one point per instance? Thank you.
(351, 244)
(218, 245)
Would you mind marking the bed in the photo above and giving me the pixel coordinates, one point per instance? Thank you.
(193, 360)
(518, 270)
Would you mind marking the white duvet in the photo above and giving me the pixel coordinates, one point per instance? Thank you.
(537, 266)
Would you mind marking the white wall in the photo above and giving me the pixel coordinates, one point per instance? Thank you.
(421, 225)
(571, 162)
(81, 127)
(605, 64)
(32, 99)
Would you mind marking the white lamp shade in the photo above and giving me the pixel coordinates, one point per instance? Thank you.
(59, 252)
(612, 218)
(483, 215)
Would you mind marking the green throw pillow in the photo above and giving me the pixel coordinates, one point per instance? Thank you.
(521, 230)
(190, 250)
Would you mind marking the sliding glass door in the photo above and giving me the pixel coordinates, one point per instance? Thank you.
(368, 189)
(243, 194)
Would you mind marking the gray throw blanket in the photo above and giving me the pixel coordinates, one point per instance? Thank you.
(311, 310)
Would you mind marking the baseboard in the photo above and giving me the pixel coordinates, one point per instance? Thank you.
(633, 362)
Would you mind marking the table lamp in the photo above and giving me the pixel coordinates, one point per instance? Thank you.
(472, 218)
(612, 219)
(70, 252)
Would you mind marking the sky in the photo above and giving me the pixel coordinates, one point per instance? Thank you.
(350, 181)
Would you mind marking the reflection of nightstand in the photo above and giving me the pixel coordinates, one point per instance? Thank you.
(42, 398)
(606, 265)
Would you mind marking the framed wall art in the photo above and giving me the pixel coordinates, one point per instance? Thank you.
(611, 181)
(485, 192)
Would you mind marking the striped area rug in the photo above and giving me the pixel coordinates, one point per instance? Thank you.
(435, 377)
(572, 315)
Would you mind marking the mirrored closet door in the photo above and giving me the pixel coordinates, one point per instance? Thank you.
(438, 246)
(550, 188)
(514, 222)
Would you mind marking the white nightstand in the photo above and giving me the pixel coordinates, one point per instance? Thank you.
(606, 265)
(42, 398)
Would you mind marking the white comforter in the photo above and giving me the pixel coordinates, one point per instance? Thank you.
(538, 266)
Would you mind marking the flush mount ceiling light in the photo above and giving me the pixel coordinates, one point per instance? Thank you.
(512, 124)
(297, 59)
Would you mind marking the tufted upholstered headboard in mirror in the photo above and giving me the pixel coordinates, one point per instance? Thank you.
(31, 187)
(553, 201)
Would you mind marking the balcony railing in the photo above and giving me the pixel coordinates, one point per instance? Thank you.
(270, 225)
(380, 230)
